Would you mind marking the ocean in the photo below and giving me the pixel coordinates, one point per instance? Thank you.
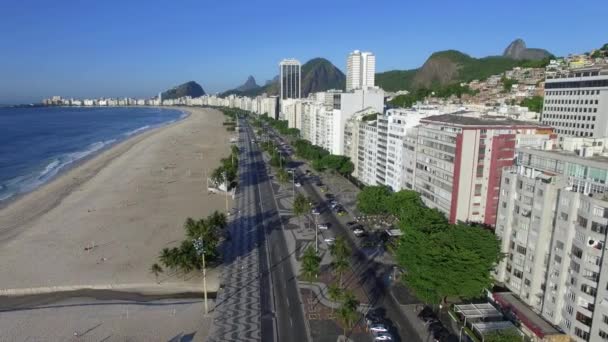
(37, 144)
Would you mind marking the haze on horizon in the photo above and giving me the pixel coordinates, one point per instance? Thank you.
(138, 48)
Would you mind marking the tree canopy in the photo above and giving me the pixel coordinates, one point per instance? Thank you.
(371, 200)
(441, 259)
(534, 104)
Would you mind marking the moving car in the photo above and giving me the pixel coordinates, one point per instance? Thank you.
(323, 226)
(378, 328)
(383, 337)
(359, 232)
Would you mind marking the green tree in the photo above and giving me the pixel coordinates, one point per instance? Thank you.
(347, 312)
(217, 220)
(507, 84)
(310, 264)
(156, 270)
(534, 104)
(507, 335)
(454, 262)
(334, 292)
(301, 206)
(218, 176)
(371, 200)
(282, 176)
(340, 251)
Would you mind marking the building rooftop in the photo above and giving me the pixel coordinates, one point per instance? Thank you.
(525, 315)
(467, 118)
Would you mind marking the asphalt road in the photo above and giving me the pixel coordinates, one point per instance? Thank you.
(260, 300)
(370, 274)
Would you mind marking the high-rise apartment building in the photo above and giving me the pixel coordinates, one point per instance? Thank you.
(459, 160)
(360, 70)
(553, 223)
(576, 103)
(290, 78)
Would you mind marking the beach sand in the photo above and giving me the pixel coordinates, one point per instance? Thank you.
(128, 202)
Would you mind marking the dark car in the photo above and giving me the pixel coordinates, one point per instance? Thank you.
(319, 184)
(373, 318)
(427, 314)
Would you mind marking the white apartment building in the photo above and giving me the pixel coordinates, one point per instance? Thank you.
(393, 128)
(360, 140)
(290, 79)
(360, 70)
(459, 159)
(553, 223)
(576, 103)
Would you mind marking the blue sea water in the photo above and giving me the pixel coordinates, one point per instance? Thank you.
(37, 143)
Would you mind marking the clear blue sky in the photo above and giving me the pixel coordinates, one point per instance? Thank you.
(137, 48)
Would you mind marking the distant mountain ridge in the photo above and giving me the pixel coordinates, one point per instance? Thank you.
(250, 84)
(452, 66)
(190, 88)
(518, 50)
(318, 74)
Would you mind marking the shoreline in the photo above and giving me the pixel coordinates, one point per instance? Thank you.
(4, 203)
(127, 202)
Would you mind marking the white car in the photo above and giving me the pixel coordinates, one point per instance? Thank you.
(298, 184)
(378, 328)
(329, 241)
(383, 337)
(323, 226)
(358, 231)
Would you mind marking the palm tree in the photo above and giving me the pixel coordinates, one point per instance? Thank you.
(282, 176)
(310, 264)
(341, 253)
(156, 269)
(301, 206)
(165, 257)
(334, 292)
(217, 220)
(347, 312)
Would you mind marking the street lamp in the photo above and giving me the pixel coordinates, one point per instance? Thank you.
(200, 249)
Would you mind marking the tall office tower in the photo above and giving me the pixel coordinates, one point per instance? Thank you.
(291, 75)
(576, 102)
(361, 70)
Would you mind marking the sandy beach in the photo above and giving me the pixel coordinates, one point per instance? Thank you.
(128, 202)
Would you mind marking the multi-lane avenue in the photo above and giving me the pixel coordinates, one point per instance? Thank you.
(259, 299)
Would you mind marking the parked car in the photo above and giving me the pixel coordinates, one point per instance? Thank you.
(342, 212)
(351, 223)
(329, 241)
(329, 196)
(319, 183)
(323, 226)
(298, 184)
(315, 211)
